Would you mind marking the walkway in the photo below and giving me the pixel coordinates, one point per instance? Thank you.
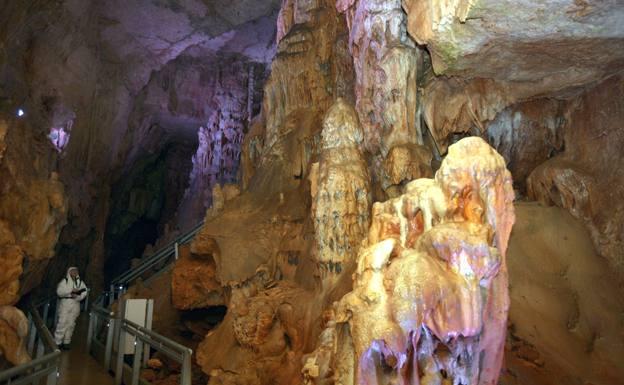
(77, 366)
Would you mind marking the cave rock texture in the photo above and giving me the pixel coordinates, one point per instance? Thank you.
(429, 303)
(32, 213)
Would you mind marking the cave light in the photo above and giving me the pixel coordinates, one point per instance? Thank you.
(20, 112)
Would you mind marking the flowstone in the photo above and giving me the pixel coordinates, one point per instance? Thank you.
(430, 299)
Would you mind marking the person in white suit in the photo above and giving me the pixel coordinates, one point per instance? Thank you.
(71, 290)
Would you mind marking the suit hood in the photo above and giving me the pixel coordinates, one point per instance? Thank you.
(69, 270)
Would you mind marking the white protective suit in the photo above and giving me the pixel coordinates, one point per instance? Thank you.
(68, 307)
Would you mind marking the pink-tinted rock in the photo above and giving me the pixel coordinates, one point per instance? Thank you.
(386, 62)
(430, 300)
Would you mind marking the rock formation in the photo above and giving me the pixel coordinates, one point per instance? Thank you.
(429, 303)
(13, 333)
(32, 212)
(193, 281)
(340, 193)
(386, 63)
(560, 292)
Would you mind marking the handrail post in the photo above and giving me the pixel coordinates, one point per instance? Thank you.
(40, 348)
(136, 363)
(111, 297)
(186, 369)
(120, 338)
(53, 377)
(149, 313)
(46, 309)
(120, 356)
(109, 342)
(32, 336)
(90, 331)
(86, 302)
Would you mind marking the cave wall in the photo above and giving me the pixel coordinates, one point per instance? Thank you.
(586, 177)
(564, 320)
(33, 209)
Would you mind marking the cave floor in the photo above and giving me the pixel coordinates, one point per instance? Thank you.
(77, 366)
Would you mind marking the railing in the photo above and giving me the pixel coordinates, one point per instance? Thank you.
(102, 322)
(108, 329)
(46, 357)
(157, 258)
(116, 329)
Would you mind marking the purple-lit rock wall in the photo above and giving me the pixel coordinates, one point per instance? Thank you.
(209, 103)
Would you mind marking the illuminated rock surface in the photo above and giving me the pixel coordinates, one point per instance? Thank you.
(429, 302)
(13, 333)
(32, 212)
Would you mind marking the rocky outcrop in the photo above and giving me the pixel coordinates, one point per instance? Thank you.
(32, 212)
(526, 135)
(267, 266)
(429, 302)
(495, 54)
(194, 284)
(312, 67)
(586, 177)
(32, 209)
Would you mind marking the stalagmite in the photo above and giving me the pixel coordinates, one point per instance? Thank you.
(342, 194)
(430, 302)
(386, 63)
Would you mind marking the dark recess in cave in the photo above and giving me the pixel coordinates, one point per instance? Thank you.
(199, 322)
(143, 201)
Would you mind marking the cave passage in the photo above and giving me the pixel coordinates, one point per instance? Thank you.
(143, 204)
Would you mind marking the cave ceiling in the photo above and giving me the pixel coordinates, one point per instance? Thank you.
(150, 33)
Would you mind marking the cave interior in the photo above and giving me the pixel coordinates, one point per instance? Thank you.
(379, 192)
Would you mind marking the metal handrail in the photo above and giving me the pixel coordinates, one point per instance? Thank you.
(117, 329)
(117, 326)
(47, 359)
(172, 349)
(163, 253)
